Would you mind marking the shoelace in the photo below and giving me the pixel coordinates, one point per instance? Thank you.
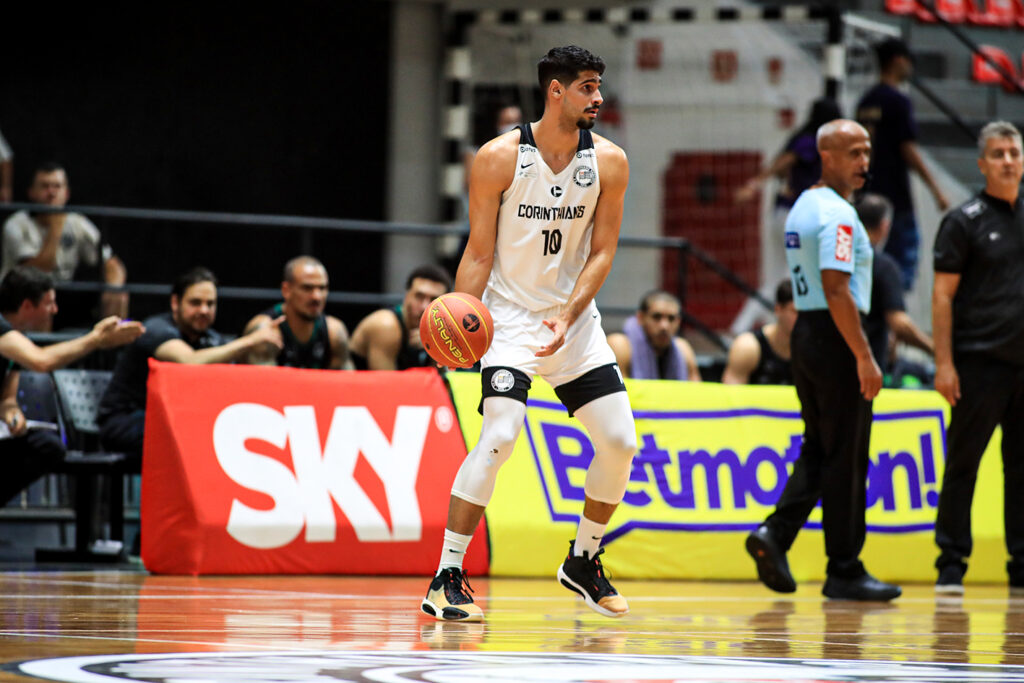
(601, 575)
(463, 580)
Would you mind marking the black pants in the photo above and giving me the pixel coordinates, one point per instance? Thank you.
(26, 458)
(991, 393)
(123, 433)
(833, 462)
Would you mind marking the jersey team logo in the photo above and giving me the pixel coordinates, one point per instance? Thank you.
(584, 176)
(844, 243)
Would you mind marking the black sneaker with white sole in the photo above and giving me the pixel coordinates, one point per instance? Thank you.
(951, 580)
(585, 576)
(449, 599)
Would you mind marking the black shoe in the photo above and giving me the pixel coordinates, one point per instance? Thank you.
(448, 600)
(1015, 568)
(772, 567)
(585, 575)
(951, 580)
(865, 587)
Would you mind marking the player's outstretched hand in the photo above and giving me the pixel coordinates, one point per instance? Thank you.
(269, 334)
(112, 331)
(558, 326)
(870, 376)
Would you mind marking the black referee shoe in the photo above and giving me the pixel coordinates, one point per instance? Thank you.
(772, 567)
(865, 587)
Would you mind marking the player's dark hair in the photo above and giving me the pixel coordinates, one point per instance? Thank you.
(564, 64)
(192, 277)
(47, 167)
(822, 111)
(289, 268)
(434, 273)
(21, 283)
(888, 50)
(784, 292)
(656, 295)
(873, 209)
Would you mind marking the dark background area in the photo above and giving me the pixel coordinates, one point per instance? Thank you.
(209, 107)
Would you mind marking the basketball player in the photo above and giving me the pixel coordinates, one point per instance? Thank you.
(311, 339)
(545, 204)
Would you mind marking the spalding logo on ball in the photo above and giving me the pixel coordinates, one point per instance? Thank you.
(456, 329)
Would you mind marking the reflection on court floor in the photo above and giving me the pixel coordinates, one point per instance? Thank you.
(106, 626)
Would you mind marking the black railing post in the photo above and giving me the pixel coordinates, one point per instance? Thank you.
(835, 52)
(941, 105)
(682, 269)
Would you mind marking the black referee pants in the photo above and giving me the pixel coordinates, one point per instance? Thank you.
(833, 462)
(991, 393)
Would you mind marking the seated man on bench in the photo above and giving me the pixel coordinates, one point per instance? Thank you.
(28, 302)
(183, 334)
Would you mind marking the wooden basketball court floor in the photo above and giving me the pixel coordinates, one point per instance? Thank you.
(128, 625)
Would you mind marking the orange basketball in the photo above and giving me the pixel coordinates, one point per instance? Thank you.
(456, 329)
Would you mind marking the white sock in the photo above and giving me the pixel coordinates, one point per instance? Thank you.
(453, 550)
(588, 537)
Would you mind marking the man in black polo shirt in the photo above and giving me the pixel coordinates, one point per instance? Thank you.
(184, 335)
(978, 325)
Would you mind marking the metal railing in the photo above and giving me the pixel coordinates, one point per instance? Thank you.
(1009, 81)
(686, 250)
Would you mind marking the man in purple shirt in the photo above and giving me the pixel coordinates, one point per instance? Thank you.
(888, 115)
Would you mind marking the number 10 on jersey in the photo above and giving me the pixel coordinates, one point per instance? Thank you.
(552, 241)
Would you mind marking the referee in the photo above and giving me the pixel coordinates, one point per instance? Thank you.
(978, 324)
(836, 377)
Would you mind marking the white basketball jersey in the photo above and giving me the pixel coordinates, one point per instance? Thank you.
(544, 225)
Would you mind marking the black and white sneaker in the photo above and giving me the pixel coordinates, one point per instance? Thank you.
(951, 580)
(449, 599)
(585, 575)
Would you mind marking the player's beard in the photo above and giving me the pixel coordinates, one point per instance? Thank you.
(190, 330)
(585, 122)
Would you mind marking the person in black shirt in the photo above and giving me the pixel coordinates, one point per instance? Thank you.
(889, 117)
(389, 338)
(184, 335)
(762, 356)
(978, 324)
(311, 339)
(887, 309)
(28, 302)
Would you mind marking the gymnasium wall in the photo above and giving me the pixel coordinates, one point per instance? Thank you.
(213, 107)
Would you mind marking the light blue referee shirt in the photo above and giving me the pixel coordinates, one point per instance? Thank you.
(823, 232)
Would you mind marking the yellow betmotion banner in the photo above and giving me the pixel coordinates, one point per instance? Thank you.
(712, 461)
